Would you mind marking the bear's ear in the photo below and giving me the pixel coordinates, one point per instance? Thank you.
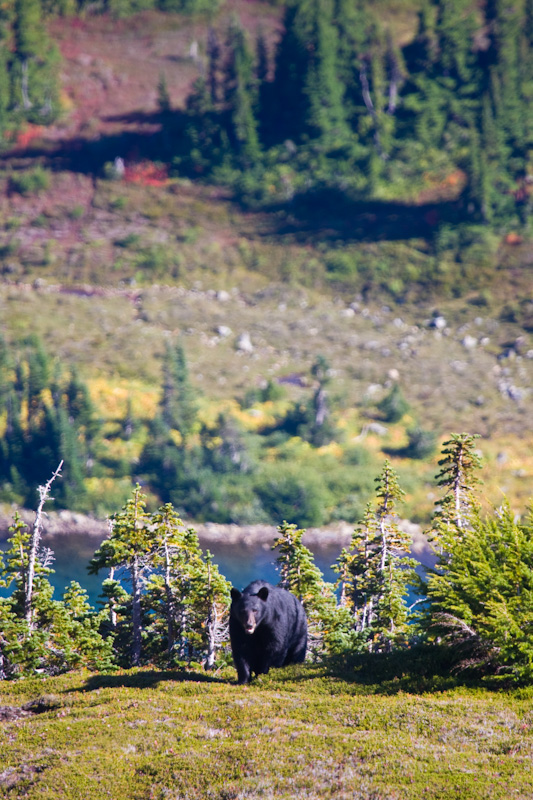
(235, 594)
(263, 593)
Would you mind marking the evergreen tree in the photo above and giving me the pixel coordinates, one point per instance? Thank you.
(178, 404)
(504, 72)
(130, 545)
(206, 141)
(187, 594)
(34, 60)
(379, 79)
(374, 574)
(459, 465)
(444, 86)
(36, 631)
(481, 596)
(286, 118)
(16, 571)
(213, 65)
(323, 90)
(394, 405)
(240, 92)
(300, 575)
(5, 33)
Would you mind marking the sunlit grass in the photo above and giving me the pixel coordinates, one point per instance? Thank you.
(297, 733)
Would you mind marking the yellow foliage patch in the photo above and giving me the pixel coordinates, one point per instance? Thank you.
(112, 397)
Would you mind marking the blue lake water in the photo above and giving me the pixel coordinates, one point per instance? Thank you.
(239, 563)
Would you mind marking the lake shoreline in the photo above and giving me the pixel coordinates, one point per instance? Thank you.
(336, 535)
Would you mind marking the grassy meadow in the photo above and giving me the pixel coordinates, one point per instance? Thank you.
(299, 732)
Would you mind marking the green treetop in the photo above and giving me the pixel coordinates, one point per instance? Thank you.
(459, 466)
(240, 91)
(481, 598)
(300, 575)
(375, 571)
(130, 545)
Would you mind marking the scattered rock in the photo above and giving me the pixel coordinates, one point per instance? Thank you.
(293, 379)
(376, 428)
(11, 776)
(244, 343)
(373, 389)
(438, 322)
(469, 342)
(510, 391)
(459, 367)
(223, 296)
(224, 331)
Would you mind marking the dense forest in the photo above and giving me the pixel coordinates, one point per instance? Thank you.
(341, 107)
(336, 105)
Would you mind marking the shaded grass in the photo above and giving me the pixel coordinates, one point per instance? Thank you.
(296, 733)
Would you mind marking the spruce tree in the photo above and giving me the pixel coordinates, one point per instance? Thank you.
(300, 575)
(130, 544)
(178, 404)
(374, 574)
(5, 33)
(34, 85)
(187, 594)
(459, 465)
(325, 117)
(445, 78)
(240, 93)
(480, 597)
(213, 65)
(288, 115)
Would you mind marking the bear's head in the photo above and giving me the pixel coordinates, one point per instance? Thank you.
(249, 609)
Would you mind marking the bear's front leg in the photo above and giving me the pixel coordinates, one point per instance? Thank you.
(244, 674)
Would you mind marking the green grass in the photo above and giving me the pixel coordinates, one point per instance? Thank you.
(296, 734)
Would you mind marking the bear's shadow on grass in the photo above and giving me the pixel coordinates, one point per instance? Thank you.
(146, 679)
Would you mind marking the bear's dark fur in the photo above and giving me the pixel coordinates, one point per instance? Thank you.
(268, 628)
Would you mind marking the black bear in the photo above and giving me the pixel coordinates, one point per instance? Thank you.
(268, 628)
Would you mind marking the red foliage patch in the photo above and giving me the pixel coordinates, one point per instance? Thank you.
(513, 238)
(25, 137)
(146, 173)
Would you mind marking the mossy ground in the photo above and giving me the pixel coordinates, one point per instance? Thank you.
(296, 733)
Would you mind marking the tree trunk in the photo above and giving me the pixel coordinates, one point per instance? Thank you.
(136, 611)
(26, 102)
(171, 635)
(44, 491)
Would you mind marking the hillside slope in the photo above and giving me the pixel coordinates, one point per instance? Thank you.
(106, 271)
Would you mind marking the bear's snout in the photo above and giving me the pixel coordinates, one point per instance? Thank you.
(249, 623)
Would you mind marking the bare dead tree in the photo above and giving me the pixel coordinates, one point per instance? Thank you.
(217, 626)
(44, 492)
